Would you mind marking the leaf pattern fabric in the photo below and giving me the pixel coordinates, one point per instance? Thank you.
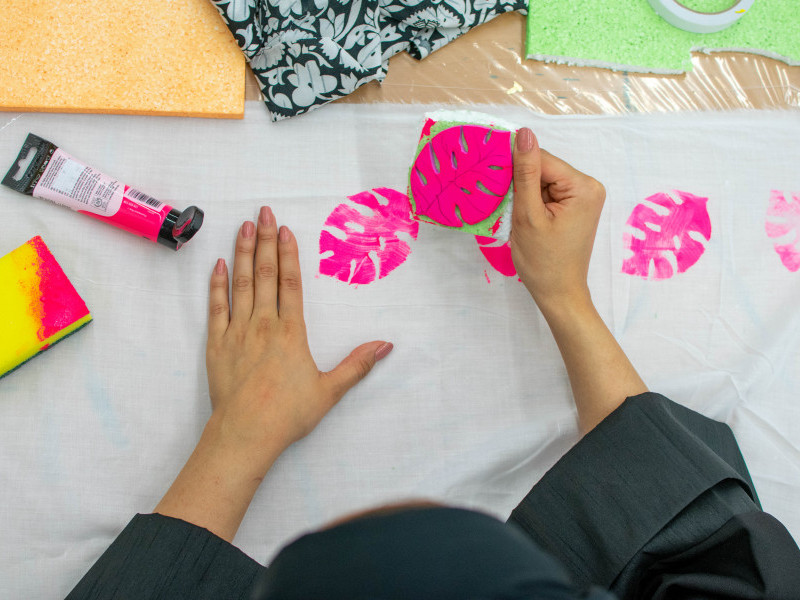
(306, 53)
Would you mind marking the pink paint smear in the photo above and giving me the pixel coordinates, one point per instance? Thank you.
(667, 235)
(358, 248)
(462, 174)
(498, 254)
(783, 221)
(59, 304)
(426, 128)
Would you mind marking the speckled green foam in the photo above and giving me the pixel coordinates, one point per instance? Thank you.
(630, 36)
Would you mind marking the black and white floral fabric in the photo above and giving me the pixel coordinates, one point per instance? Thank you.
(306, 53)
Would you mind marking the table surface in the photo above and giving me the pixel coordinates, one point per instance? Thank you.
(96, 429)
(485, 66)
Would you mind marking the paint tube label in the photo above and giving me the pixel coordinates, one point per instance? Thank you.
(143, 199)
(71, 183)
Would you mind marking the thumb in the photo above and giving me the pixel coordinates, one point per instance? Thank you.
(356, 366)
(527, 177)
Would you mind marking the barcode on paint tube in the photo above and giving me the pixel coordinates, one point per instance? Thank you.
(144, 198)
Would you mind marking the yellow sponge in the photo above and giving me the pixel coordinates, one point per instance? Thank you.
(38, 305)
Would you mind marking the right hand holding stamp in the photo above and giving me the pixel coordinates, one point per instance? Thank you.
(556, 212)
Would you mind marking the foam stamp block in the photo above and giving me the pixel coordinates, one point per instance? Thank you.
(631, 36)
(462, 171)
(38, 304)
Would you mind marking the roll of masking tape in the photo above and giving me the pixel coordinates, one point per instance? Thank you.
(678, 15)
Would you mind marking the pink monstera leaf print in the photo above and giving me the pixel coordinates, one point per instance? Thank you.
(368, 239)
(783, 224)
(498, 253)
(666, 235)
(466, 168)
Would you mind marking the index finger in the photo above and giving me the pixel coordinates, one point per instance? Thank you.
(555, 169)
(561, 181)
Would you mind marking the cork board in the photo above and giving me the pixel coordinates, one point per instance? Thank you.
(145, 57)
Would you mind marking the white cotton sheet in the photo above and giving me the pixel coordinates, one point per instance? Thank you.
(473, 405)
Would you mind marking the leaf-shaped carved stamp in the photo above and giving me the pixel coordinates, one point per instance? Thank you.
(666, 235)
(783, 224)
(368, 239)
(498, 253)
(462, 175)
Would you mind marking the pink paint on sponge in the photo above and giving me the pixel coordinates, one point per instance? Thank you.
(38, 304)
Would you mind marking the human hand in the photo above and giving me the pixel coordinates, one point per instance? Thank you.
(266, 390)
(554, 222)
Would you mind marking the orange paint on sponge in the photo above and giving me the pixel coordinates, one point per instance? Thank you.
(38, 304)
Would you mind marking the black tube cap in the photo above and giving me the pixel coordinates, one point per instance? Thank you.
(179, 227)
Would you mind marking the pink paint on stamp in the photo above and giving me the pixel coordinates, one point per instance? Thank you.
(426, 128)
(666, 234)
(368, 238)
(462, 175)
(783, 225)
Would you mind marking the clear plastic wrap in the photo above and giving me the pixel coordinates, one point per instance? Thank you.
(486, 66)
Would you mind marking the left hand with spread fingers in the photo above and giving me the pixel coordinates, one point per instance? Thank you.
(266, 390)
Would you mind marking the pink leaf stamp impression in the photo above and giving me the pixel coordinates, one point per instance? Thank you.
(783, 225)
(666, 234)
(368, 238)
(461, 176)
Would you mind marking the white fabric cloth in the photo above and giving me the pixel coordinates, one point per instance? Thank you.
(473, 405)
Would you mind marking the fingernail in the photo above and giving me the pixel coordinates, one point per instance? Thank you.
(248, 229)
(265, 216)
(383, 351)
(524, 140)
(219, 268)
(284, 235)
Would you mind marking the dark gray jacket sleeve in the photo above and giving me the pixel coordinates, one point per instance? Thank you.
(644, 502)
(161, 557)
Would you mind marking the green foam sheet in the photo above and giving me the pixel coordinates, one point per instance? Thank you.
(629, 36)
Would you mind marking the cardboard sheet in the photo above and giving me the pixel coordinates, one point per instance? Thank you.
(471, 407)
(127, 56)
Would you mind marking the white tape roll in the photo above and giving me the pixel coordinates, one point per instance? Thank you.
(675, 13)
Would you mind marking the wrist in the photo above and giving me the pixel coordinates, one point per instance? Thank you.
(248, 457)
(217, 483)
(575, 307)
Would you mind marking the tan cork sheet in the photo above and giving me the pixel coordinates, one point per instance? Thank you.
(146, 57)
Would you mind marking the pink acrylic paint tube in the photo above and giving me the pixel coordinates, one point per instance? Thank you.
(54, 175)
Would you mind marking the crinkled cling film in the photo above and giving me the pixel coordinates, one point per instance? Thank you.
(487, 66)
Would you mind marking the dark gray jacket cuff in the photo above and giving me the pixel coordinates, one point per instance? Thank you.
(619, 486)
(161, 557)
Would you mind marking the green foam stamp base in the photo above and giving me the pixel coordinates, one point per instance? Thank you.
(630, 36)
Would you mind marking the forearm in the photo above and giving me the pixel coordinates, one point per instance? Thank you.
(217, 484)
(599, 372)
